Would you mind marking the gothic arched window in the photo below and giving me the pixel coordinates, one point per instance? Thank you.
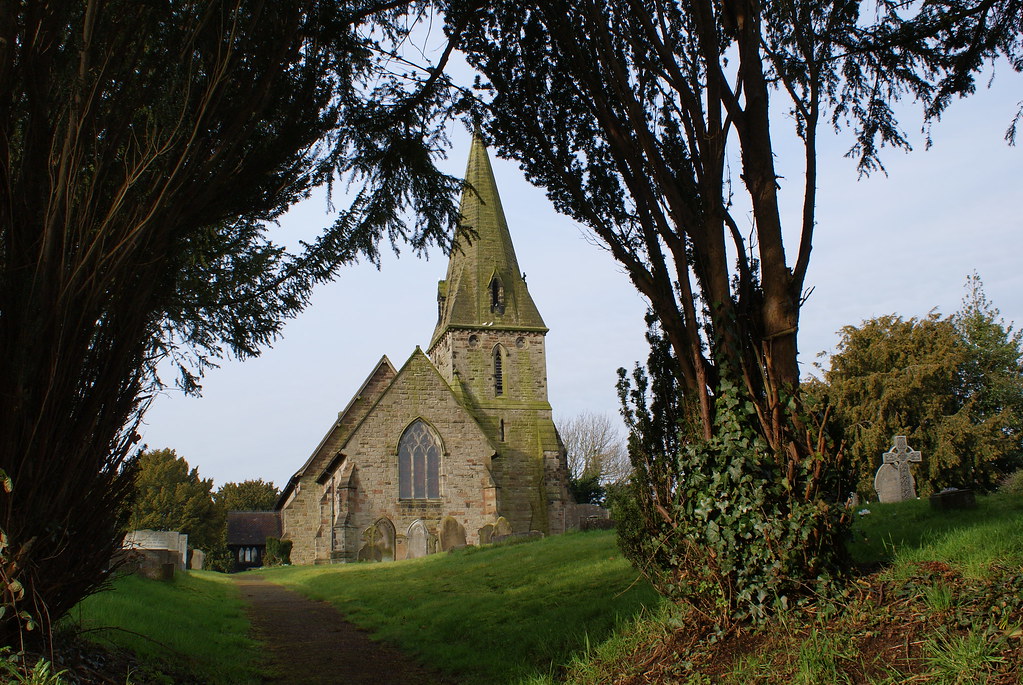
(418, 463)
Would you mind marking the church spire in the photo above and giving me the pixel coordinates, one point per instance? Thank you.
(484, 287)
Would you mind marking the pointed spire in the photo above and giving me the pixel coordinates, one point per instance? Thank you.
(484, 287)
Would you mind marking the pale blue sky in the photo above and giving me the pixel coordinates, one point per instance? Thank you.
(901, 244)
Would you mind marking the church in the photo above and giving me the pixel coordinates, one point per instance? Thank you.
(458, 444)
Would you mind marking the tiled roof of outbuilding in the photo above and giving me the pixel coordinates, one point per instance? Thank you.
(252, 527)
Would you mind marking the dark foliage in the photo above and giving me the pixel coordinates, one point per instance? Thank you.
(145, 150)
(170, 496)
(278, 552)
(632, 113)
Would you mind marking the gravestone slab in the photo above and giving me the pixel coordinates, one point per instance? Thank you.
(486, 533)
(417, 541)
(894, 481)
(502, 527)
(378, 542)
(452, 534)
(953, 499)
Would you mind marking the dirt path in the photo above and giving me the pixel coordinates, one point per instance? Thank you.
(310, 643)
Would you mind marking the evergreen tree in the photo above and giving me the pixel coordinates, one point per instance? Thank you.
(249, 495)
(146, 150)
(630, 115)
(170, 496)
(953, 385)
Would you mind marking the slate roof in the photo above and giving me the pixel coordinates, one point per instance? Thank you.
(252, 527)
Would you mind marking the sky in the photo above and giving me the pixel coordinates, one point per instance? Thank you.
(902, 243)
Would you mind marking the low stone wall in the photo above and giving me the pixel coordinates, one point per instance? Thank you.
(588, 517)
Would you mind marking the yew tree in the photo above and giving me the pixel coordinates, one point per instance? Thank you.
(248, 495)
(651, 123)
(146, 149)
(953, 385)
(172, 496)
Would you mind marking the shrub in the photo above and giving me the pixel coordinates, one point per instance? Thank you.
(1013, 483)
(717, 524)
(278, 552)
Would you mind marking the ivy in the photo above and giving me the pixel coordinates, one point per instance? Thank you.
(718, 523)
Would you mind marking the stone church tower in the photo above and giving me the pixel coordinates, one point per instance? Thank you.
(455, 446)
(489, 345)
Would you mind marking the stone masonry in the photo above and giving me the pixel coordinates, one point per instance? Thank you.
(478, 402)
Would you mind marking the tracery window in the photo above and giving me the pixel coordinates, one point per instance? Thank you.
(418, 463)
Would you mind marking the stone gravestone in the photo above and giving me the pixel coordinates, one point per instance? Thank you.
(418, 540)
(452, 534)
(894, 481)
(486, 533)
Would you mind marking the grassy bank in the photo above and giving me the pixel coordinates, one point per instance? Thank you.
(946, 609)
(494, 615)
(193, 624)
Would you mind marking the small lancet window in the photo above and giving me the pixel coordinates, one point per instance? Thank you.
(496, 295)
(502, 430)
(498, 371)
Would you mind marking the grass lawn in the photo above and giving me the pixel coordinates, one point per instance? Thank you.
(194, 623)
(570, 608)
(971, 540)
(947, 608)
(491, 615)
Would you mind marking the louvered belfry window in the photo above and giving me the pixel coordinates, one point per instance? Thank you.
(418, 463)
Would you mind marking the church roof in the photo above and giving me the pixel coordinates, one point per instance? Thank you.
(484, 287)
(420, 371)
(360, 404)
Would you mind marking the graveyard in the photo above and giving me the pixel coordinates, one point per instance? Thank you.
(938, 597)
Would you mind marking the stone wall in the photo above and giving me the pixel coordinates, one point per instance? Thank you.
(530, 469)
(466, 486)
(333, 520)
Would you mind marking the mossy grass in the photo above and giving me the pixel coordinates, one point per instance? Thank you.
(194, 623)
(489, 615)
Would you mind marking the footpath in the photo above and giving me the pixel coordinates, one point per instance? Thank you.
(310, 643)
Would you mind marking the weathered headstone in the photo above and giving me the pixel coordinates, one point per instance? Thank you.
(894, 481)
(954, 498)
(486, 533)
(502, 527)
(378, 542)
(452, 534)
(417, 539)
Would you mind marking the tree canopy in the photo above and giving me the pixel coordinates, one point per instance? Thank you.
(632, 114)
(953, 385)
(145, 151)
(596, 455)
(171, 496)
(248, 495)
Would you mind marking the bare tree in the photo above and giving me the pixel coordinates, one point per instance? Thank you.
(595, 447)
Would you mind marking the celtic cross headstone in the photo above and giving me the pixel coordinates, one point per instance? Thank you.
(894, 481)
